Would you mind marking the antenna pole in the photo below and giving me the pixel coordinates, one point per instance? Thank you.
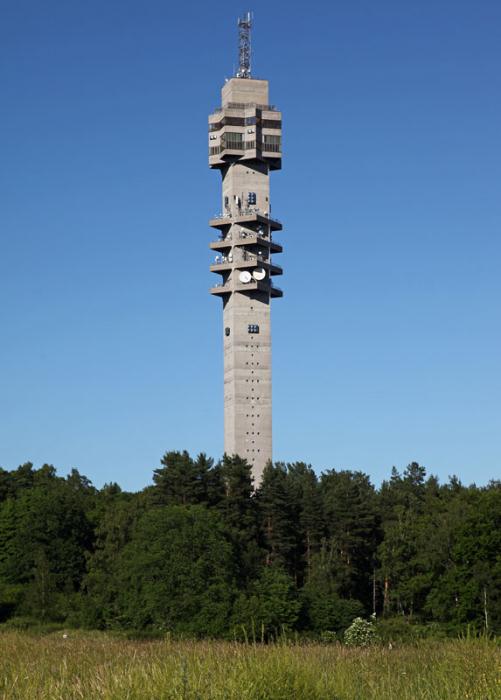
(244, 46)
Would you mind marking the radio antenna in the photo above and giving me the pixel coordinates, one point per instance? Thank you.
(244, 46)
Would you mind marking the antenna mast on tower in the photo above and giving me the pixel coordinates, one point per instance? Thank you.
(244, 46)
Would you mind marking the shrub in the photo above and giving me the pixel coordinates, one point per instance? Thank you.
(327, 611)
(328, 637)
(361, 633)
(398, 629)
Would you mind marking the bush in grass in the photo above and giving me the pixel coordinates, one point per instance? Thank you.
(30, 625)
(270, 610)
(325, 611)
(399, 629)
(361, 633)
(328, 637)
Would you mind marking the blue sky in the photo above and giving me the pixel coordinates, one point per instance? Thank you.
(387, 341)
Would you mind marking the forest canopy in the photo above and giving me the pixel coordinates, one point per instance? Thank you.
(202, 553)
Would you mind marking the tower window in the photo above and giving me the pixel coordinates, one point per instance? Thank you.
(253, 328)
(251, 198)
(227, 331)
(233, 140)
(272, 143)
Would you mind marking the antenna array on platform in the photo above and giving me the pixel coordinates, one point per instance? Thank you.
(244, 46)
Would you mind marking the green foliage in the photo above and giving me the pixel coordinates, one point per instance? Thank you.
(201, 552)
(45, 534)
(399, 629)
(352, 531)
(176, 573)
(238, 510)
(308, 517)
(361, 633)
(327, 611)
(271, 607)
(11, 596)
(277, 516)
(329, 637)
(102, 583)
(185, 481)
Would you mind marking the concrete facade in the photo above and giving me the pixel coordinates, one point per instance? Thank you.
(245, 145)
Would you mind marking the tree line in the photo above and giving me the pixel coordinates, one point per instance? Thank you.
(200, 552)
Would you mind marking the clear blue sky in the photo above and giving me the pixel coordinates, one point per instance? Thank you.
(387, 342)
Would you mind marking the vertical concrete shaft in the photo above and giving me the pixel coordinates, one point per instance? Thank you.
(245, 144)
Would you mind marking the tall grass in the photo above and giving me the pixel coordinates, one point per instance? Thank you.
(99, 666)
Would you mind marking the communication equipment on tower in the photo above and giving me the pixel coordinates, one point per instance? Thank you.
(259, 274)
(244, 46)
(245, 277)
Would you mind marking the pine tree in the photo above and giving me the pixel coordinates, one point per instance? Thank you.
(239, 514)
(302, 485)
(352, 530)
(181, 480)
(278, 524)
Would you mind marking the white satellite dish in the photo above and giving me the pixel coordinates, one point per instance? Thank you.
(245, 276)
(259, 273)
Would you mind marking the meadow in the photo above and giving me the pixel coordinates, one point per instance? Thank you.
(94, 665)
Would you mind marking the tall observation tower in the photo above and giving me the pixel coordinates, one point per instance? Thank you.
(245, 145)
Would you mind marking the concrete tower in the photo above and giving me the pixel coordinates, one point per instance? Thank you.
(245, 145)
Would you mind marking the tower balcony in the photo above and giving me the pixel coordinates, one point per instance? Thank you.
(221, 290)
(248, 262)
(223, 244)
(246, 217)
(241, 107)
(220, 155)
(252, 286)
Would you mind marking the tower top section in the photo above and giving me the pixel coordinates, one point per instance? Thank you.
(244, 46)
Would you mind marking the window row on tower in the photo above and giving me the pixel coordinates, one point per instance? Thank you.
(246, 121)
(234, 141)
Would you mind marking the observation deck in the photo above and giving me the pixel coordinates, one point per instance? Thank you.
(252, 217)
(253, 286)
(245, 240)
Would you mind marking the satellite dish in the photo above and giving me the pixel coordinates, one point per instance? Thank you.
(245, 276)
(259, 273)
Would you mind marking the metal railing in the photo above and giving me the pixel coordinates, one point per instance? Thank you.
(272, 147)
(245, 105)
(246, 212)
(253, 257)
(252, 283)
(223, 260)
(222, 238)
(233, 146)
(253, 234)
(244, 121)
(246, 257)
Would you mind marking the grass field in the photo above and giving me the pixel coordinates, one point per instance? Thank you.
(99, 666)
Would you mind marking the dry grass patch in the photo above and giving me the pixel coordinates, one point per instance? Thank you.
(100, 666)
